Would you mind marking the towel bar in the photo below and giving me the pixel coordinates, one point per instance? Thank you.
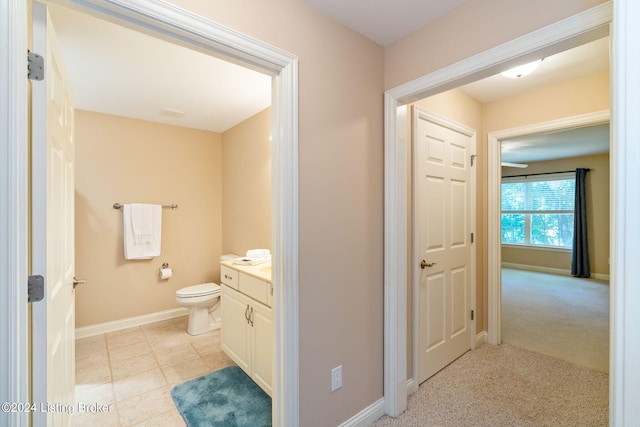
(172, 206)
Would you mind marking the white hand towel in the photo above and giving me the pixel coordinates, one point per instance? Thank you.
(142, 230)
(258, 253)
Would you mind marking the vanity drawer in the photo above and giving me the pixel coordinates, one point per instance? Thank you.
(229, 276)
(254, 288)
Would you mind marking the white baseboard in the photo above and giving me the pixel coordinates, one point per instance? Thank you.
(558, 271)
(481, 338)
(367, 416)
(116, 325)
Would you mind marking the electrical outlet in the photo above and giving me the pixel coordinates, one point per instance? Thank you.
(336, 378)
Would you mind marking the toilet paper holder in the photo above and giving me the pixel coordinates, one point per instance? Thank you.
(165, 272)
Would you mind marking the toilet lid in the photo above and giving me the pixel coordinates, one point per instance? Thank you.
(198, 290)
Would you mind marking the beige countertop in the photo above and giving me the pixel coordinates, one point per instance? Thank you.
(259, 271)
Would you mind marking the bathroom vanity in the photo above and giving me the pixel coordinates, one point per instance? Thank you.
(247, 331)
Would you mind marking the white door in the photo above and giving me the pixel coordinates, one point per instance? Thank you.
(53, 230)
(443, 210)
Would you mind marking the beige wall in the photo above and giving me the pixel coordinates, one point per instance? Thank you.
(246, 185)
(597, 216)
(342, 78)
(221, 183)
(126, 160)
(340, 195)
(474, 27)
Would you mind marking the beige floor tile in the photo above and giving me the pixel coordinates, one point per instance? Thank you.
(206, 343)
(91, 345)
(98, 419)
(137, 384)
(93, 375)
(102, 394)
(124, 337)
(133, 366)
(119, 354)
(92, 360)
(168, 419)
(185, 371)
(181, 323)
(217, 360)
(171, 354)
(145, 406)
(142, 397)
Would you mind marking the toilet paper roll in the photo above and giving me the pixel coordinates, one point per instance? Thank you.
(166, 273)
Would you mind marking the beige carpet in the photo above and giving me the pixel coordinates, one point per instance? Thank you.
(560, 316)
(507, 386)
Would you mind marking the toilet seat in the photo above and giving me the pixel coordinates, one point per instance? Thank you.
(200, 290)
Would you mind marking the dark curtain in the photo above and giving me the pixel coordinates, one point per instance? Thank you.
(580, 253)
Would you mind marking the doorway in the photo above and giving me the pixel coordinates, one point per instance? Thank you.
(168, 22)
(540, 43)
(543, 308)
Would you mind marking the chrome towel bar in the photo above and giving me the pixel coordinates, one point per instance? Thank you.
(173, 206)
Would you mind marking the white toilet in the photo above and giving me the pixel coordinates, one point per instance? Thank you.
(203, 302)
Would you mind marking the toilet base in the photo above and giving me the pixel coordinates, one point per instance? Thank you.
(201, 321)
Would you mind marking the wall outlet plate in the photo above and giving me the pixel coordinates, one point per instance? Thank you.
(336, 378)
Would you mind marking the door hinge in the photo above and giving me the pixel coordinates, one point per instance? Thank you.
(35, 66)
(472, 237)
(473, 158)
(472, 314)
(35, 288)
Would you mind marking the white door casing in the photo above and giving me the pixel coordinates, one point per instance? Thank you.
(494, 267)
(572, 31)
(188, 28)
(53, 230)
(442, 224)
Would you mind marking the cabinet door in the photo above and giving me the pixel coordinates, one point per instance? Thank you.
(262, 339)
(235, 328)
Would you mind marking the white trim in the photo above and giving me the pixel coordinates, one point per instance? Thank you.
(367, 416)
(130, 322)
(624, 382)
(588, 25)
(14, 322)
(395, 257)
(160, 18)
(494, 172)
(481, 338)
(549, 270)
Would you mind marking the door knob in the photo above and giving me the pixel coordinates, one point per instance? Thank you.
(77, 282)
(424, 264)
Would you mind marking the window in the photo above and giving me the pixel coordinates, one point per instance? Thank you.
(538, 210)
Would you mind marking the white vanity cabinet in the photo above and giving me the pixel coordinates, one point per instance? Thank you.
(247, 327)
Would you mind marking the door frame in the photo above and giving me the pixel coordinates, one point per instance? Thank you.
(494, 139)
(625, 234)
(14, 249)
(177, 24)
(415, 270)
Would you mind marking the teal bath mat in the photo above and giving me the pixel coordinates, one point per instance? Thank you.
(224, 398)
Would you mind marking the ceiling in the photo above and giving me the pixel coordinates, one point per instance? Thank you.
(385, 21)
(115, 70)
(562, 144)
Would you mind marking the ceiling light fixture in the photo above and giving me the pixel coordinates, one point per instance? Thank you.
(171, 112)
(514, 165)
(522, 70)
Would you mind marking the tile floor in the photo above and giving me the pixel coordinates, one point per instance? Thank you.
(135, 369)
